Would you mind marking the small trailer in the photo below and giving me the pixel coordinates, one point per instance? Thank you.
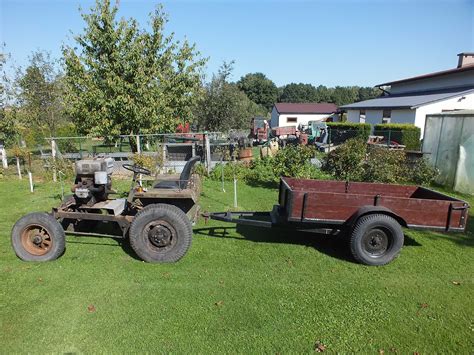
(372, 214)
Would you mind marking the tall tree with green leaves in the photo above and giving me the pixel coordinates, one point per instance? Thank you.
(40, 94)
(299, 93)
(224, 106)
(259, 89)
(7, 124)
(127, 80)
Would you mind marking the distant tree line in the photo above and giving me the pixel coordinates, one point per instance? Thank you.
(120, 78)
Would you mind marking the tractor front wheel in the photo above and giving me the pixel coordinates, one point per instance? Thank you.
(38, 237)
(160, 233)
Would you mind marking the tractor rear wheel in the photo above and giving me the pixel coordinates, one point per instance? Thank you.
(160, 233)
(376, 239)
(38, 237)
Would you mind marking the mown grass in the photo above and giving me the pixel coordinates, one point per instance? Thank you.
(245, 291)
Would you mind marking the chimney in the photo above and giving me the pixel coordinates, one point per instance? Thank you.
(465, 59)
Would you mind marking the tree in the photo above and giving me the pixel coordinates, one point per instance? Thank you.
(40, 93)
(127, 80)
(259, 89)
(343, 95)
(8, 126)
(298, 93)
(367, 93)
(224, 106)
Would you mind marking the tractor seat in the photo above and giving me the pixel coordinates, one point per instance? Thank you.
(183, 178)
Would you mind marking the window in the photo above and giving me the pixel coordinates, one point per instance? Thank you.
(361, 116)
(386, 116)
(291, 120)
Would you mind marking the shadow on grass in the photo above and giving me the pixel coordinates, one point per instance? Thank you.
(336, 246)
(103, 230)
(332, 245)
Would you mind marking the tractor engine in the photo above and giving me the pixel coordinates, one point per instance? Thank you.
(93, 180)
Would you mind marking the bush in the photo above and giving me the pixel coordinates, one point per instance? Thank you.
(355, 161)
(64, 168)
(421, 172)
(405, 134)
(262, 172)
(293, 161)
(347, 161)
(230, 170)
(339, 132)
(150, 162)
(384, 165)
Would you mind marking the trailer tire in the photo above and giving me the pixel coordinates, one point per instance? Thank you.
(38, 237)
(160, 233)
(376, 239)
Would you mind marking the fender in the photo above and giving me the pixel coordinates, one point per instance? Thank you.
(365, 210)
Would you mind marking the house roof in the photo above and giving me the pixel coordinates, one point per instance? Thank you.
(308, 108)
(409, 101)
(431, 75)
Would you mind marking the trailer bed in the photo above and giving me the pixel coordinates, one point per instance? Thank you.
(336, 202)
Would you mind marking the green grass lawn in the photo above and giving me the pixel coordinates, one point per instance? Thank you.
(250, 291)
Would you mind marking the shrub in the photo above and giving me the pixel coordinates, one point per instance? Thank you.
(230, 170)
(64, 168)
(421, 172)
(347, 161)
(384, 165)
(293, 161)
(355, 161)
(405, 134)
(339, 132)
(262, 171)
(150, 162)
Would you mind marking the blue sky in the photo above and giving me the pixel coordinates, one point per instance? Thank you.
(319, 42)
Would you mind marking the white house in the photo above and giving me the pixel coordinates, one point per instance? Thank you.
(410, 100)
(294, 114)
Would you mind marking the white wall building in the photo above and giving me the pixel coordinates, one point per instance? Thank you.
(410, 100)
(293, 114)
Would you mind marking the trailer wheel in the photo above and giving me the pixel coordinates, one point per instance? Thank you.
(38, 237)
(161, 233)
(376, 239)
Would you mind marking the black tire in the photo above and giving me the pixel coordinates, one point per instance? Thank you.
(160, 233)
(376, 239)
(38, 237)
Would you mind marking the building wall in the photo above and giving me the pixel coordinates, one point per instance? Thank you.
(451, 104)
(373, 116)
(281, 120)
(415, 116)
(403, 116)
(444, 82)
(274, 118)
(353, 116)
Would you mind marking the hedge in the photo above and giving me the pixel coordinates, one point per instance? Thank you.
(339, 132)
(402, 133)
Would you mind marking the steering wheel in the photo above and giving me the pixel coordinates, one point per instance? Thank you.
(136, 169)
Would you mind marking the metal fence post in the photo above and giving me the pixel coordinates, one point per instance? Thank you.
(389, 140)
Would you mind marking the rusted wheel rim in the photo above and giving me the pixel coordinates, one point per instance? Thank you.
(161, 235)
(36, 240)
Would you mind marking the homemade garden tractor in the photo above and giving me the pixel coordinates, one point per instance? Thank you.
(157, 220)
